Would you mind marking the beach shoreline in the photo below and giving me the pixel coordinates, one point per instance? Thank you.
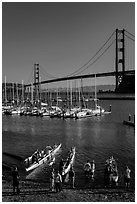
(34, 191)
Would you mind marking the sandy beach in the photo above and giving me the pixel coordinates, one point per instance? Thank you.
(32, 191)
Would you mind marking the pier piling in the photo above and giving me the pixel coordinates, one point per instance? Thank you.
(110, 107)
(129, 122)
(129, 117)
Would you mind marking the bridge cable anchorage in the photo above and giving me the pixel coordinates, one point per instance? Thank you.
(97, 58)
(93, 56)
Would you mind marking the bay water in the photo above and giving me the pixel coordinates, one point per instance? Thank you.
(95, 138)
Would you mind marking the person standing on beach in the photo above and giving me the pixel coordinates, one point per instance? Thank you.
(87, 169)
(92, 169)
(15, 176)
(72, 177)
(58, 182)
(127, 177)
(61, 164)
(52, 180)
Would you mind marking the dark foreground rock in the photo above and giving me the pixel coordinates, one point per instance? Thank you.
(39, 192)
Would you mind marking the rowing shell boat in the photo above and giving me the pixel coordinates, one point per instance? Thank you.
(47, 158)
(68, 164)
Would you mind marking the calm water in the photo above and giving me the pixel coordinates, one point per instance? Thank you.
(94, 138)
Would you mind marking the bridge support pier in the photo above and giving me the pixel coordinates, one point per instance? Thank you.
(120, 56)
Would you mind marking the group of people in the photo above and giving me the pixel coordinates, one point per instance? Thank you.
(57, 179)
(110, 172)
(38, 155)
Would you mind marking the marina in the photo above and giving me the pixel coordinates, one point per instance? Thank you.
(68, 101)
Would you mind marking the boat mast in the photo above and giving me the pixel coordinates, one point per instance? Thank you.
(32, 93)
(40, 92)
(82, 93)
(79, 94)
(57, 96)
(13, 91)
(95, 93)
(22, 92)
(50, 97)
(71, 94)
(17, 92)
(47, 95)
(5, 92)
(67, 95)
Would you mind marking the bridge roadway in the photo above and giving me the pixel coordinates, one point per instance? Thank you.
(83, 77)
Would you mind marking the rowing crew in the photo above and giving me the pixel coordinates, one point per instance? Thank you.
(38, 155)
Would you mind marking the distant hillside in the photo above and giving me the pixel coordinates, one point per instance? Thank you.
(89, 88)
(100, 88)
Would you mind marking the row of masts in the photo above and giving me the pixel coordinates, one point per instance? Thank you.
(20, 95)
(15, 94)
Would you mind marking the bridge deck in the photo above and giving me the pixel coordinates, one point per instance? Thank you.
(83, 77)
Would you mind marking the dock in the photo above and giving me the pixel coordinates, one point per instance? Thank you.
(129, 122)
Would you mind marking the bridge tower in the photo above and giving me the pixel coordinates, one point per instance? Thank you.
(120, 56)
(36, 82)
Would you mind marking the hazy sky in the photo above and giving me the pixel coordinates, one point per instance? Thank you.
(61, 37)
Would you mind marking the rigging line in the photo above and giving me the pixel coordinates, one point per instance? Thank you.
(130, 38)
(129, 33)
(93, 56)
(97, 57)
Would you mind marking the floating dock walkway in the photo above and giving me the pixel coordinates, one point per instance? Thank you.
(129, 122)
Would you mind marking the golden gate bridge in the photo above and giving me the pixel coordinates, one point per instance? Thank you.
(123, 71)
(120, 63)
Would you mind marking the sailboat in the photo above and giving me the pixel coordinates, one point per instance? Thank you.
(83, 112)
(55, 110)
(70, 111)
(98, 110)
(6, 109)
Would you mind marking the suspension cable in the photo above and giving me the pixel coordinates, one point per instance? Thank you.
(30, 77)
(130, 38)
(129, 33)
(97, 57)
(46, 73)
(75, 72)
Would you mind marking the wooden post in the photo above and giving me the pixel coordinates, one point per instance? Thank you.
(129, 117)
(110, 108)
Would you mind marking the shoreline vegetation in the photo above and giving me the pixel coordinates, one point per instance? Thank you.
(35, 191)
